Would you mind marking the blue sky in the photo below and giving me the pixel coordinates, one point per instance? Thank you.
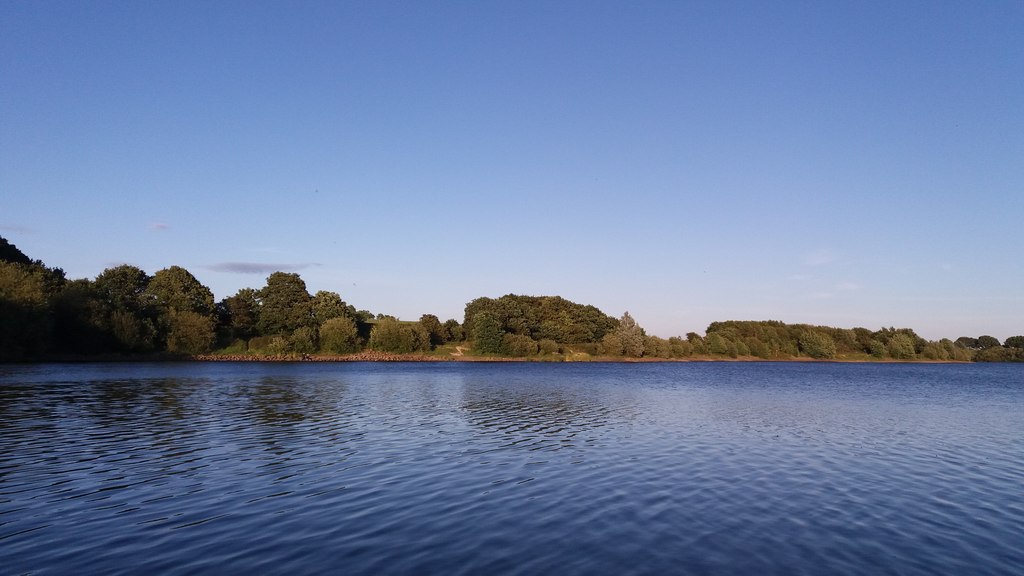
(838, 163)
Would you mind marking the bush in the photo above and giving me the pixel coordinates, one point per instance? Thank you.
(260, 343)
(518, 345)
(390, 335)
(817, 345)
(548, 346)
(901, 347)
(303, 340)
(339, 336)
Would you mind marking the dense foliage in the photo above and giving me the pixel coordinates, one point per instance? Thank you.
(124, 310)
(541, 318)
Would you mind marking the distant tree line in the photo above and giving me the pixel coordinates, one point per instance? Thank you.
(124, 310)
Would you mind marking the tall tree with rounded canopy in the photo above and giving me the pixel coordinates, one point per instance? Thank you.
(175, 288)
(285, 305)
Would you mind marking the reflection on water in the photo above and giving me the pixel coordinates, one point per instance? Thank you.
(511, 469)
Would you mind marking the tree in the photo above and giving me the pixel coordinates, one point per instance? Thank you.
(80, 322)
(189, 332)
(487, 334)
(327, 305)
(339, 336)
(184, 310)
(25, 318)
(611, 345)
(10, 253)
(434, 329)
(817, 345)
(453, 331)
(304, 340)
(127, 316)
(239, 314)
(390, 335)
(1014, 342)
(176, 289)
(122, 287)
(987, 342)
(901, 346)
(284, 305)
(631, 335)
(967, 342)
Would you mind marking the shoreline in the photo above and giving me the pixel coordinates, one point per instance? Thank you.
(387, 357)
(423, 358)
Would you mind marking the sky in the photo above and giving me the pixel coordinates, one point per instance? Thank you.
(836, 163)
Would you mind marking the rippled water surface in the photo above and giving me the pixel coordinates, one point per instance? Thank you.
(512, 469)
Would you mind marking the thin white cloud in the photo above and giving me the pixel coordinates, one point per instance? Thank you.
(159, 226)
(257, 267)
(822, 296)
(847, 286)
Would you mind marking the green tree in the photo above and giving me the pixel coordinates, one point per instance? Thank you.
(487, 334)
(877, 349)
(611, 345)
(967, 342)
(175, 288)
(339, 336)
(25, 319)
(1014, 342)
(631, 335)
(239, 314)
(327, 305)
(390, 335)
(122, 287)
(453, 331)
(987, 342)
(434, 329)
(285, 305)
(127, 316)
(189, 332)
(657, 347)
(304, 340)
(901, 346)
(817, 345)
(698, 344)
(173, 292)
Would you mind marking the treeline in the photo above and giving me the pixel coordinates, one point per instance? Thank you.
(126, 311)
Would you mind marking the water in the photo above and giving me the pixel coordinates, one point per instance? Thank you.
(300, 468)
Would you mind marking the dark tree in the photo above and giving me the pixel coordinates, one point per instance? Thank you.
(176, 289)
(987, 342)
(1014, 342)
(487, 334)
(435, 331)
(238, 314)
(10, 253)
(285, 305)
(967, 342)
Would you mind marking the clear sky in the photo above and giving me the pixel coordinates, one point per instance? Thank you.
(839, 163)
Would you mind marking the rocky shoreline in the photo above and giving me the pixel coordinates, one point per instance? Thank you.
(366, 356)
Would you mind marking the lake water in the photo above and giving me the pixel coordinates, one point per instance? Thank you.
(724, 468)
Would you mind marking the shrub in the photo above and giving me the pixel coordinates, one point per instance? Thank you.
(518, 345)
(817, 345)
(548, 346)
(339, 336)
